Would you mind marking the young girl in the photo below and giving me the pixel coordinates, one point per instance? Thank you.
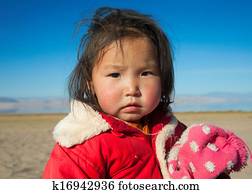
(120, 124)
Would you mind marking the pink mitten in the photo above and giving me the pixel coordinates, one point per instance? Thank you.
(205, 151)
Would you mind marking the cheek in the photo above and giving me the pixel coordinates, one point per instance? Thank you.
(107, 96)
(152, 93)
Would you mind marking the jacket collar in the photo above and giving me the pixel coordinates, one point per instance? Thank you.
(83, 123)
(120, 126)
(80, 124)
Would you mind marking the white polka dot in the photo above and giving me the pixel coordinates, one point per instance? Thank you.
(230, 165)
(212, 147)
(210, 166)
(194, 146)
(206, 129)
(185, 177)
(192, 167)
(171, 169)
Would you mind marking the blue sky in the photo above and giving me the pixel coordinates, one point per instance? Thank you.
(212, 41)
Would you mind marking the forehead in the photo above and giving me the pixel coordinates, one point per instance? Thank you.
(128, 49)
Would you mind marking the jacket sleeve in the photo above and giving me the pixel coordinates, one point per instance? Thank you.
(66, 163)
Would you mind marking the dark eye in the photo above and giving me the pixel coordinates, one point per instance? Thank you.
(114, 75)
(145, 73)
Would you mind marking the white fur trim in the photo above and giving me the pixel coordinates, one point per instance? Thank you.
(80, 124)
(184, 137)
(173, 154)
(163, 135)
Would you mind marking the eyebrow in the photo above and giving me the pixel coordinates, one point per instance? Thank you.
(115, 66)
(118, 66)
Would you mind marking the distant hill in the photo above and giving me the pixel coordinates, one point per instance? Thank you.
(182, 103)
(33, 105)
(6, 99)
(217, 101)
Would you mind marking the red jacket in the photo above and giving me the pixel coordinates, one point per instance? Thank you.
(95, 145)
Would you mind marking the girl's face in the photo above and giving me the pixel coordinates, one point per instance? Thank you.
(126, 81)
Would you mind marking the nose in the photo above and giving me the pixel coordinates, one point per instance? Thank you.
(132, 88)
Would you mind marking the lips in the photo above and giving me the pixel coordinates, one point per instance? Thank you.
(131, 108)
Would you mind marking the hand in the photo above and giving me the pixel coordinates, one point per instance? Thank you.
(206, 151)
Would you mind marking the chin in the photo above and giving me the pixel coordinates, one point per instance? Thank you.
(131, 118)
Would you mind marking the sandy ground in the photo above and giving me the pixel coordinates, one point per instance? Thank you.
(26, 140)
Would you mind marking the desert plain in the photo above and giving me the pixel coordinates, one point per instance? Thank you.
(26, 139)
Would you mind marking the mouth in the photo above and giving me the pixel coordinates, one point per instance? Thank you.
(131, 108)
